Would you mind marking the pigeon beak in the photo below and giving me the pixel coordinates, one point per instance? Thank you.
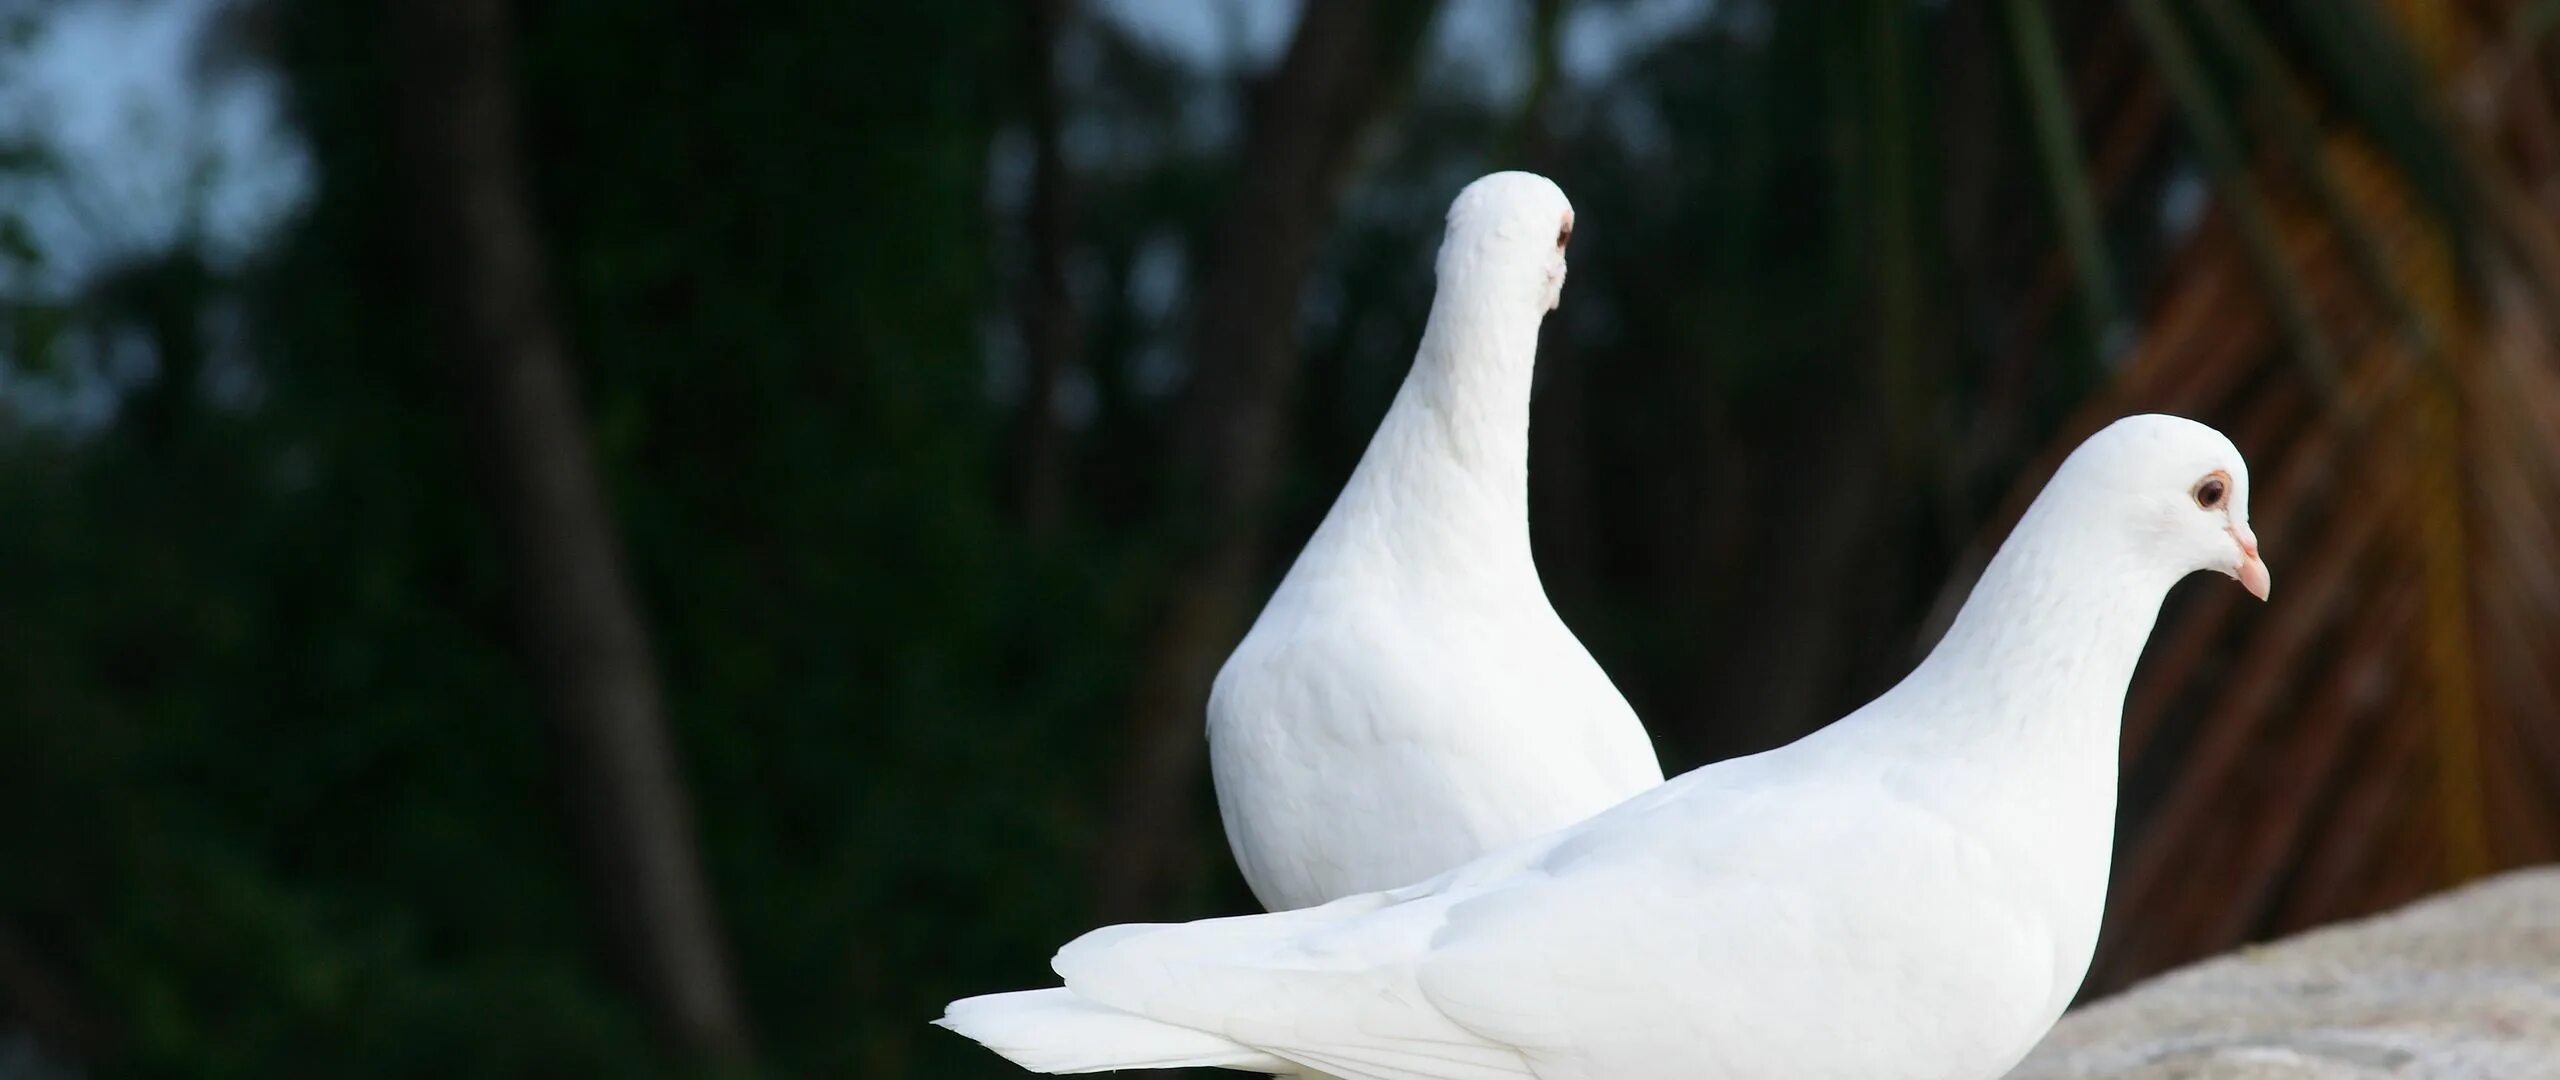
(2253, 570)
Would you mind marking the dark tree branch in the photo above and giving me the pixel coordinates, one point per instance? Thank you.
(37, 997)
(1052, 336)
(581, 626)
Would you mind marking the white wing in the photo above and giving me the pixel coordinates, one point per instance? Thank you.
(1688, 932)
(1332, 988)
(1342, 987)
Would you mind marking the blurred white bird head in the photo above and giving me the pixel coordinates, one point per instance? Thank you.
(1507, 234)
(2180, 489)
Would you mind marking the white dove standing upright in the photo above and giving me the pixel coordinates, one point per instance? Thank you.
(1408, 700)
(1912, 892)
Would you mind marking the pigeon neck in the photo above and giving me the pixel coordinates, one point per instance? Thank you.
(1471, 380)
(2048, 640)
(1451, 460)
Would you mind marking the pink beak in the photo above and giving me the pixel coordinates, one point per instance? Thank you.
(2253, 570)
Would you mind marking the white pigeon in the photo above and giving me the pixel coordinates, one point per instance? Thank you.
(1912, 892)
(1408, 699)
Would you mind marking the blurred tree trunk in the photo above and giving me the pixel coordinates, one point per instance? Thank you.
(1562, 500)
(166, 296)
(581, 626)
(1050, 333)
(38, 999)
(1344, 64)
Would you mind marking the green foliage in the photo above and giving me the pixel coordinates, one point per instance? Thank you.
(264, 736)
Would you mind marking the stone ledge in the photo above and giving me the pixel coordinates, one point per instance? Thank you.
(2463, 985)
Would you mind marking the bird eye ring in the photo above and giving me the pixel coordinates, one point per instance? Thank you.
(1564, 234)
(2210, 491)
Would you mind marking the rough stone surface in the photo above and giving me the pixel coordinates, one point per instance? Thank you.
(2464, 985)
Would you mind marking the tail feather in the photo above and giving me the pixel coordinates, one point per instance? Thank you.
(1054, 1031)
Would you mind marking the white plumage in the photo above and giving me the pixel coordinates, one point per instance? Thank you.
(1912, 892)
(1408, 699)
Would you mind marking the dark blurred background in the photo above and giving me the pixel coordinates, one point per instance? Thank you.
(644, 539)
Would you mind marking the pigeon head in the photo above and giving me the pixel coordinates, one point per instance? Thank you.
(2179, 489)
(1507, 235)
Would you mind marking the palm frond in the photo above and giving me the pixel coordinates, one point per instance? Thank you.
(2386, 725)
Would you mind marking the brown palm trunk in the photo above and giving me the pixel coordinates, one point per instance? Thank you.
(581, 626)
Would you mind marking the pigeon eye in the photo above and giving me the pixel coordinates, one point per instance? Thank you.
(2210, 491)
(1564, 234)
